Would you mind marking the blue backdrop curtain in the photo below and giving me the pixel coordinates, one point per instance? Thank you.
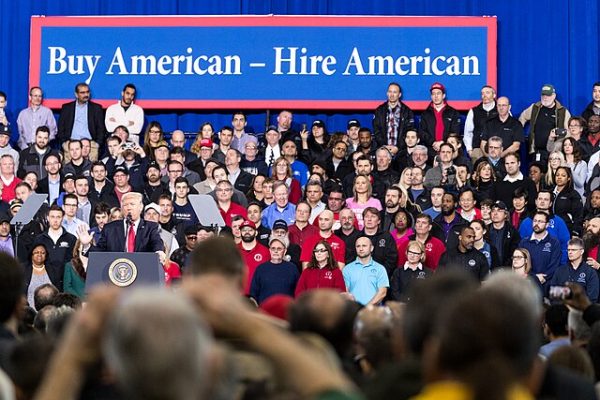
(548, 41)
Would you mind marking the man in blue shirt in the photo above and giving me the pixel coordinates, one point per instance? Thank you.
(577, 271)
(281, 207)
(544, 249)
(556, 225)
(366, 279)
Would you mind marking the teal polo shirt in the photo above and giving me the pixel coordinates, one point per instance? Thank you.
(363, 281)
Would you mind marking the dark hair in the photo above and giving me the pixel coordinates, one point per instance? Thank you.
(130, 86)
(56, 207)
(576, 149)
(556, 319)
(101, 208)
(72, 197)
(51, 154)
(395, 84)
(569, 173)
(44, 294)
(75, 141)
(331, 263)
(521, 192)
(66, 299)
(474, 341)
(23, 184)
(217, 255)
(11, 286)
(550, 192)
(2, 94)
(307, 314)
(424, 216)
(515, 155)
(544, 213)
(371, 210)
(430, 299)
(98, 164)
(179, 151)
(42, 128)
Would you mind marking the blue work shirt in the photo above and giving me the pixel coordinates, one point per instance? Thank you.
(364, 280)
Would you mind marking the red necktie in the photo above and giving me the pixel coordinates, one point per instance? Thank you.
(131, 239)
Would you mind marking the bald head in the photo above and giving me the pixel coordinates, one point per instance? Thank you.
(326, 220)
(178, 138)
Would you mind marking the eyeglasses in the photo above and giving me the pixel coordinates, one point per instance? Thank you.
(414, 253)
(277, 248)
(154, 131)
(191, 237)
(320, 251)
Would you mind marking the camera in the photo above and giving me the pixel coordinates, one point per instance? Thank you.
(560, 132)
(560, 292)
(450, 171)
(128, 146)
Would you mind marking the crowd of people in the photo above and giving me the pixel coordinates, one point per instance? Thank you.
(348, 235)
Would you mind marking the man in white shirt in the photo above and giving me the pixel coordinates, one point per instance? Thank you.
(126, 113)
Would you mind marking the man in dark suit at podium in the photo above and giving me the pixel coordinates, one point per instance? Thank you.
(131, 234)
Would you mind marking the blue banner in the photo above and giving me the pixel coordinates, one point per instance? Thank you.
(263, 62)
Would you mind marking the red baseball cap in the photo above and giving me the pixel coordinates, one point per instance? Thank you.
(206, 143)
(249, 223)
(439, 86)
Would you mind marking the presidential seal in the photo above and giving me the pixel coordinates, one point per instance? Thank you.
(122, 272)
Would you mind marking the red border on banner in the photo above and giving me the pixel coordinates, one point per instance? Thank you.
(38, 22)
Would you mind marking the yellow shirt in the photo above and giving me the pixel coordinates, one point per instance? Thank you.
(452, 390)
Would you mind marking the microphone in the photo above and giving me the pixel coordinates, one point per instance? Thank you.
(129, 219)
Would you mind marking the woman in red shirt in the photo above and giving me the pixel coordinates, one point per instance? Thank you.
(322, 271)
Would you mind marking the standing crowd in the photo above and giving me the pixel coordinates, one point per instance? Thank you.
(357, 237)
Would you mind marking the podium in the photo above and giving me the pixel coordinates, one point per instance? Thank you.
(123, 270)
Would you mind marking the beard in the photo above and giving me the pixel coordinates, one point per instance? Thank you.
(447, 212)
(247, 238)
(590, 240)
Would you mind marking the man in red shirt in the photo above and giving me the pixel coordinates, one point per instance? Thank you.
(227, 207)
(253, 252)
(300, 230)
(325, 232)
(591, 239)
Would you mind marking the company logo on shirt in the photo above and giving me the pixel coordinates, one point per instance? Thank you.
(381, 242)
(328, 275)
(421, 275)
(471, 263)
(547, 247)
(428, 247)
(258, 257)
(63, 244)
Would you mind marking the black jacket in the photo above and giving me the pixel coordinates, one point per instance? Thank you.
(380, 124)
(568, 206)
(243, 183)
(31, 160)
(59, 253)
(451, 119)
(472, 261)
(95, 122)
(385, 251)
(510, 242)
(106, 195)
